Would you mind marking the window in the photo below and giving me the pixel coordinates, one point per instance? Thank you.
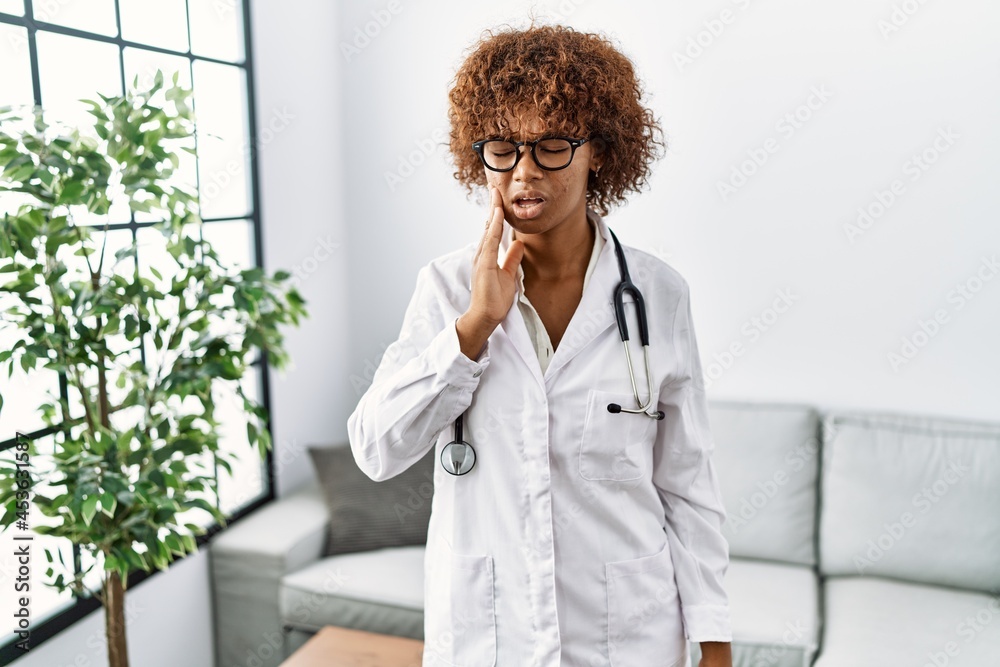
(54, 54)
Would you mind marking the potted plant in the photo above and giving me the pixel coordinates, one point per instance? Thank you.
(127, 469)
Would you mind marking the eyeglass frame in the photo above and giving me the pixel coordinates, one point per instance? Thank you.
(573, 143)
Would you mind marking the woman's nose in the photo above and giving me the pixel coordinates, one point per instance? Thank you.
(526, 166)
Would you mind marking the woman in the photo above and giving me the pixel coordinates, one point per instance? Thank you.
(577, 535)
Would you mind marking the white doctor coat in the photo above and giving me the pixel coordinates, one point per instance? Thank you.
(580, 537)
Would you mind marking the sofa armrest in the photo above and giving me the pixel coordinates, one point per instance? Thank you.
(247, 562)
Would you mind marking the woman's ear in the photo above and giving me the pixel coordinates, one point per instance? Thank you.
(598, 146)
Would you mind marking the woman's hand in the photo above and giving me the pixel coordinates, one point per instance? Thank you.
(716, 654)
(493, 285)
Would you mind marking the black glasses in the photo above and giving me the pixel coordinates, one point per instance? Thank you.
(548, 152)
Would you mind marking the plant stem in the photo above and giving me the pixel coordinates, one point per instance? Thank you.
(114, 616)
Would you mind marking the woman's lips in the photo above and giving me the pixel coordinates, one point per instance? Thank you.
(527, 209)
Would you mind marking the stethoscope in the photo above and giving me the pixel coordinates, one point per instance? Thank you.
(458, 457)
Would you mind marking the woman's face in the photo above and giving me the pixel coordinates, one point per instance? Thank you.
(563, 192)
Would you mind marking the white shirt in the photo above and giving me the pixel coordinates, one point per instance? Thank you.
(536, 329)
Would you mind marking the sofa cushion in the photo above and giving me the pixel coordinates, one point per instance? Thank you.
(247, 562)
(367, 515)
(874, 622)
(379, 591)
(775, 614)
(911, 498)
(767, 458)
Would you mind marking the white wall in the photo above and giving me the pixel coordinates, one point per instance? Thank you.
(301, 186)
(853, 300)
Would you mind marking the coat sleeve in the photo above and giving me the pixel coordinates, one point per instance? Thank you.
(689, 489)
(422, 383)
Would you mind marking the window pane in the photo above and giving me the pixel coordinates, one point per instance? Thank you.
(118, 213)
(248, 479)
(15, 75)
(217, 29)
(93, 15)
(163, 23)
(92, 579)
(232, 240)
(15, 7)
(72, 69)
(220, 98)
(144, 64)
(22, 392)
(45, 600)
(10, 202)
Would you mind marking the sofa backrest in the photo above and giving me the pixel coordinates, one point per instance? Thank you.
(912, 498)
(767, 459)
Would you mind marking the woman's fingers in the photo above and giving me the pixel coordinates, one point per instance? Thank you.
(494, 228)
(495, 210)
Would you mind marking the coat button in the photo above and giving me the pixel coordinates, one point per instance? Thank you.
(477, 373)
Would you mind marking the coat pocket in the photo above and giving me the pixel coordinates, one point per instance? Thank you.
(644, 613)
(615, 447)
(460, 620)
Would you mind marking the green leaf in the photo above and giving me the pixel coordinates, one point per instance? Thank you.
(110, 562)
(108, 503)
(70, 193)
(174, 544)
(134, 559)
(264, 443)
(89, 509)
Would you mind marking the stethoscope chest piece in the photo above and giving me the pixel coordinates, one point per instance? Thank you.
(458, 457)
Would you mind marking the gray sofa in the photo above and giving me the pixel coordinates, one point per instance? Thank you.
(856, 540)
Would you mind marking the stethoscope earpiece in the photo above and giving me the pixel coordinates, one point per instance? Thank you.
(614, 408)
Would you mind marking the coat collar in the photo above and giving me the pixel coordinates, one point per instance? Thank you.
(593, 315)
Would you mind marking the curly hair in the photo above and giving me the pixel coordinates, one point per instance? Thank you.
(578, 82)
